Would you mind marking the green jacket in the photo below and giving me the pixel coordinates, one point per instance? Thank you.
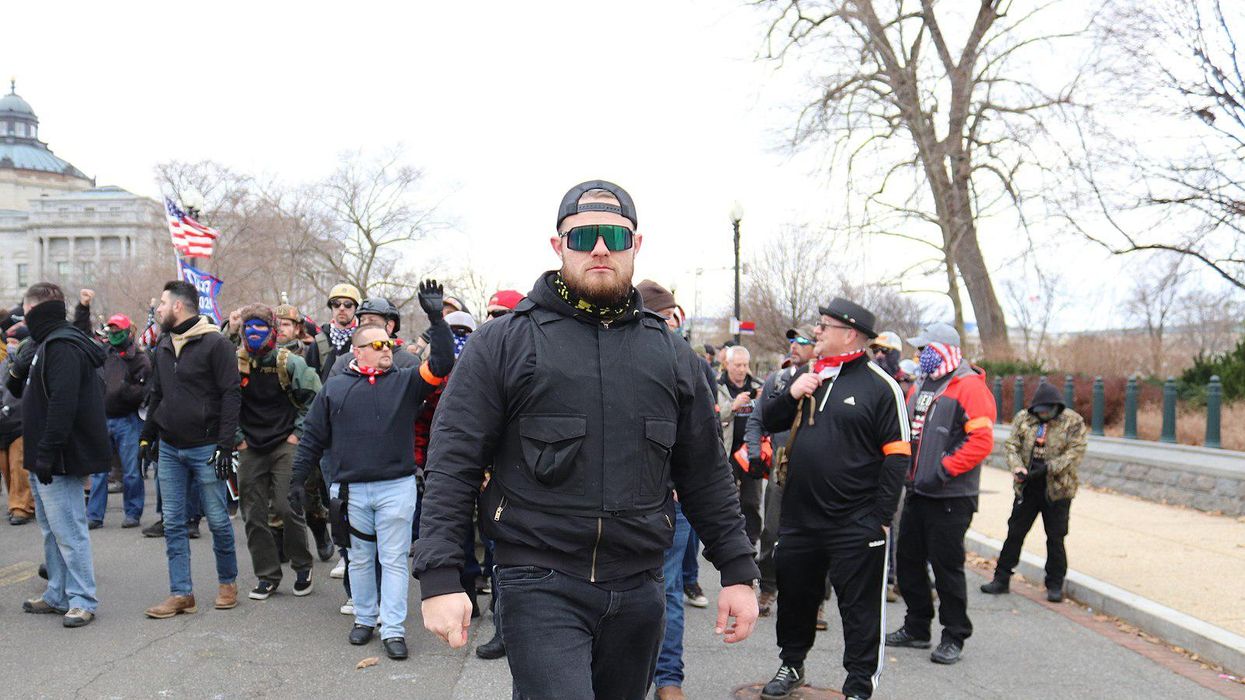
(300, 382)
(1065, 447)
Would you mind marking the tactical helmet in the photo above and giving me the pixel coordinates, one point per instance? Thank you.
(346, 291)
(381, 306)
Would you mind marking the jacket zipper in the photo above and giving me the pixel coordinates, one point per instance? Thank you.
(668, 523)
(593, 577)
(500, 506)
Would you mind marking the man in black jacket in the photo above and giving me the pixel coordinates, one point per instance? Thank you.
(365, 418)
(125, 373)
(588, 409)
(846, 454)
(193, 410)
(66, 439)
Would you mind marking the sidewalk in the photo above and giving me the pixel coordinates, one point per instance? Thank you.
(1182, 558)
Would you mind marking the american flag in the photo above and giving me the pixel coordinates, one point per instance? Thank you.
(191, 238)
(150, 334)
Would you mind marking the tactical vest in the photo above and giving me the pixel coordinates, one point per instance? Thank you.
(591, 432)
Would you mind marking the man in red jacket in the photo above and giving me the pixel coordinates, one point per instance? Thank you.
(952, 414)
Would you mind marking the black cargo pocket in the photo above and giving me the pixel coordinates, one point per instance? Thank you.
(659, 441)
(519, 575)
(550, 445)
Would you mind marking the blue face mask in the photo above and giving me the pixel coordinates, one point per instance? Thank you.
(256, 333)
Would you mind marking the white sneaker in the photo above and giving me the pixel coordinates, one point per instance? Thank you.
(347, 608)
(338, 571)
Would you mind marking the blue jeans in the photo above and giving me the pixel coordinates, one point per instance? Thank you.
(691, 563)
(61, 513)
(124, 432)
(670, 659)
(386, 508)
(178, 467)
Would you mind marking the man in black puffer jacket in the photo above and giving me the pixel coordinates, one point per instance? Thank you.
(66, 439)
(588, 410)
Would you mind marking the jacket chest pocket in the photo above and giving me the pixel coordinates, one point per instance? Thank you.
(658, 442)
(550, 445)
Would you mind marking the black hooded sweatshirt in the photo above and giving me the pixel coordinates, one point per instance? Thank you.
(1045, 395)
(62, 394)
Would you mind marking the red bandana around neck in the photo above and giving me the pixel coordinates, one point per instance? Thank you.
(370, 372)
(836, 360)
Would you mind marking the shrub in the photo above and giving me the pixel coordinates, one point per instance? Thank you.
(996, 368)
(1230, 367)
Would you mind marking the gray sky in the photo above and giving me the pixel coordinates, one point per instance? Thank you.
(505, 105)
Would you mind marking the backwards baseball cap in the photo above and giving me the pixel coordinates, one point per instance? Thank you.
(939, 332)
(120, 321)
(571, 205)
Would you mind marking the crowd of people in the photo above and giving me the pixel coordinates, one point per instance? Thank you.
(573, 429)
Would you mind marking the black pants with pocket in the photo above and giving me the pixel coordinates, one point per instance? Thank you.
(569, 638)
(1032, 502)
(854, 556)
(932, 529)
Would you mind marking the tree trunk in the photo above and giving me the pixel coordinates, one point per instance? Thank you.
(991, 323)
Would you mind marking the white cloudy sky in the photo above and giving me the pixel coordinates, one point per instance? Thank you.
(505, 105)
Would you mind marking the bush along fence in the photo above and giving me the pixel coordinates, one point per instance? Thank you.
(1108, 401)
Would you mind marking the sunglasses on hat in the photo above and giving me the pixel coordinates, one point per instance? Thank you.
(498, 313)
(378, 345)
(584, 238)
(801, 340)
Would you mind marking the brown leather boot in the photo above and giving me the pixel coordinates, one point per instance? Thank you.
(227, 597)
(173, 605)
(670, 692)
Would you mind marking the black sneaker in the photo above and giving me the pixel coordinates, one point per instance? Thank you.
(494, 648)
(262, 590)
(1054, 595)
(902, 638)
(694, 596)
(192, 529)
(783, 683)
(94, 524)
(947, 653)
(995, 587)
(302, 582)
(155, 529)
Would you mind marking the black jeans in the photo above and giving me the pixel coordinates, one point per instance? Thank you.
(568, 638)
(855, 558)
(769, 536)
(932, 529)
(1025, 510)
(749, 502)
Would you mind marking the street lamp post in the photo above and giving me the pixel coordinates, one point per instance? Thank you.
(737, 214)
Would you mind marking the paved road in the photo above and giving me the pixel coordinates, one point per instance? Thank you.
(296, 647)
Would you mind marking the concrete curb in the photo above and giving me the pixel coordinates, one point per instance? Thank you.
(1211, 643)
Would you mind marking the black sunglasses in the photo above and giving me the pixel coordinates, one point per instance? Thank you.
(584, 238)
(498, 313)
(335, 304)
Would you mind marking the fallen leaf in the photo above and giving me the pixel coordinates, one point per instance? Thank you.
(369, 661)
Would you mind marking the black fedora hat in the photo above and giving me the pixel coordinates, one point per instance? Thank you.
(852, 314)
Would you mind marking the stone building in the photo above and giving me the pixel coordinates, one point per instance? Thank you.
(55, 223)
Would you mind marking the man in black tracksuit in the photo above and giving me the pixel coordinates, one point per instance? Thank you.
(588, 409)
(847, 453)
(365, 419)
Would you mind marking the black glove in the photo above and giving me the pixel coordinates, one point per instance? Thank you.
(432, 299)
(297, 495)
(222, 460)
(148, 454)
(756, 468)
(43, 471)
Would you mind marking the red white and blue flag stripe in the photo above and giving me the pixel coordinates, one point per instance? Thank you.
(190, 238)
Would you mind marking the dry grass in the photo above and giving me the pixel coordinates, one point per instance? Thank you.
(1190, 425)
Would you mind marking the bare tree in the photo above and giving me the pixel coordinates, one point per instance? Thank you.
(1153, 304)
(1035, 301)
(932, 134)
(1177, 66)
(374, 214)
(795, 273)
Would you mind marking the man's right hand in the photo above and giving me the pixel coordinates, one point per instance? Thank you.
(432, 299)
(741, 399)
(805, 385)
(86, 296)
(448, 616)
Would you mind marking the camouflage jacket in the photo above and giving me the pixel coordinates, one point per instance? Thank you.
(1065, 447)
